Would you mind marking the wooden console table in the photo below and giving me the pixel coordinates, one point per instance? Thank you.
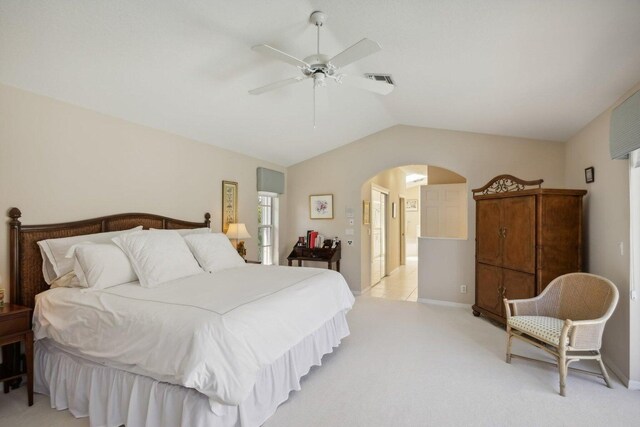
(324, 254)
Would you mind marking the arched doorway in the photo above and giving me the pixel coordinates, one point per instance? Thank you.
(398, 202)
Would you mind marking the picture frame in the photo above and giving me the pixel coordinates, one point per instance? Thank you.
(321, 206)
(411, 205)
(366, 212)
(229, 204)
(394, 209)
(589, 175)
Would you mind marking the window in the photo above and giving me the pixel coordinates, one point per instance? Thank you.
(267, 228)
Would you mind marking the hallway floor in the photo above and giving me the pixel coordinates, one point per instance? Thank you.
(401, 285)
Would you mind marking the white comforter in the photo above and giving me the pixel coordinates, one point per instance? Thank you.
(210, 332)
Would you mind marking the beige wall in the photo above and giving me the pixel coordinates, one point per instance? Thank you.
(59, 162)
(606, 226)
(478, 157)
(443, 266)
(438, 175)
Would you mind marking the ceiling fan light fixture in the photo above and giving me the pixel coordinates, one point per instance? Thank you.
(319, 79)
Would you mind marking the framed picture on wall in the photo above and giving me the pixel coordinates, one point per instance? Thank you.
(229, 204)
(589, 175)
(321, 206)
(411, 205)
(366, 209)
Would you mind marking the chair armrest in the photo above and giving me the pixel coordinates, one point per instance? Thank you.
(524, 307)
(586, 334)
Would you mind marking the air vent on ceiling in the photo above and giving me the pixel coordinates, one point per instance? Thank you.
(380, 78)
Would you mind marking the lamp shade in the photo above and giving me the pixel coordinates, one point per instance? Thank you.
(238, 231)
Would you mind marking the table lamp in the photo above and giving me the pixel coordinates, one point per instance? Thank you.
(238, 231)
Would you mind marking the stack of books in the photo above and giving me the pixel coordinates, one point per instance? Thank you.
(314, 239)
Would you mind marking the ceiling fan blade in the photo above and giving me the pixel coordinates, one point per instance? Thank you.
(276, 85)
(279, 55)
(364, 47)
(381, 88)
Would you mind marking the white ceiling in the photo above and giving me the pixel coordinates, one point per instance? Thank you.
(530, 68)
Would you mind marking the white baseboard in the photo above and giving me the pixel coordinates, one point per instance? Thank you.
(443, 303)
(630, 384)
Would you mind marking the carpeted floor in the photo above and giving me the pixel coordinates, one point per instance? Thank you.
(411, 364)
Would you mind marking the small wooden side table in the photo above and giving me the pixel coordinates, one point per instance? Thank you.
(324, 254)
(15, 327)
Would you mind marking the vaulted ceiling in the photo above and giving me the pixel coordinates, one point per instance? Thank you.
(529, 68)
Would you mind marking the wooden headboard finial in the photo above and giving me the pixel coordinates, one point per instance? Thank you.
(14, 214)
(207, 219)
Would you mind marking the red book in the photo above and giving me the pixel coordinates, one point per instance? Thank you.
(312, 240)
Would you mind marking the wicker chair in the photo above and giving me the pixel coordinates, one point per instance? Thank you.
(566, 320)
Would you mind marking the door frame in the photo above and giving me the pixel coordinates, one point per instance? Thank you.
(383, 218)
(403, 230)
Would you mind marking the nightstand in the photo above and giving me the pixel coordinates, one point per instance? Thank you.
(15, 327)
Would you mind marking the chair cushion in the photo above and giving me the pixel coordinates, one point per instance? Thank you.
(547, 329)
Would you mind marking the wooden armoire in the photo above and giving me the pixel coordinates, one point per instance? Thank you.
(526, 236)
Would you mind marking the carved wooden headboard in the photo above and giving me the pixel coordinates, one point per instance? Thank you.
(26, 279)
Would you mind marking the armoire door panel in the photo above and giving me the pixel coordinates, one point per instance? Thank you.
(488, 238)
(519, 228)
(518, 285)
(489, 282)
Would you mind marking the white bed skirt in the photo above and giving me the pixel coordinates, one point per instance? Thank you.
(112, 397)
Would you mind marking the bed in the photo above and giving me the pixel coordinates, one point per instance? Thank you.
(222, 349)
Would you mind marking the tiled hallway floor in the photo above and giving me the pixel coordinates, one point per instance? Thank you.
(400, 285)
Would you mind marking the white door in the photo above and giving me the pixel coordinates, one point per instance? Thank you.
(444, 210)
(378, 235)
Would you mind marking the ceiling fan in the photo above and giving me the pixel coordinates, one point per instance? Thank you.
(321, 68)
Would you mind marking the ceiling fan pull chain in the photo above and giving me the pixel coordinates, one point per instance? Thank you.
(318, 27)
(314, 104)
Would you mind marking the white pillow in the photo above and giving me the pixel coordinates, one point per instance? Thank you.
(186, 231)
(158, 256)
(214, 251)
(54, 252)
(101, 266)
